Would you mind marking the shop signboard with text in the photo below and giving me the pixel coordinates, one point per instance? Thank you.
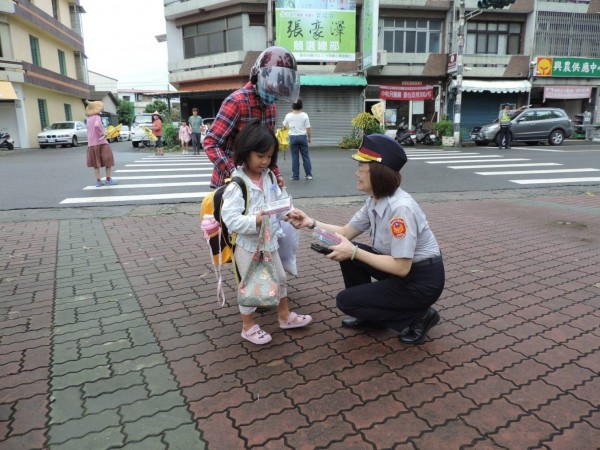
(317, 30)
(406, 93)
(567, 67)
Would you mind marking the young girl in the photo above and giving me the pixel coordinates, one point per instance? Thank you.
(157, 129)
(255, 153)
(185, 134)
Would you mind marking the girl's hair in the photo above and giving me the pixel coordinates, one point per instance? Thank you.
(384, 181)
(298, 105)
(255, 137)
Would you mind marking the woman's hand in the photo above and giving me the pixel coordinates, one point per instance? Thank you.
(341, 251)
(298, 219)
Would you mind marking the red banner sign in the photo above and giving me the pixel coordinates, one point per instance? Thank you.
(406, 92)
(567, 92)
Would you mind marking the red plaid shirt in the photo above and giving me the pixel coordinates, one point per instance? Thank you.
(236, 111)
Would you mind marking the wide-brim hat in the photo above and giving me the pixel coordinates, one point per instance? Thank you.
(156, 113)
(94, 108)
(382, 149)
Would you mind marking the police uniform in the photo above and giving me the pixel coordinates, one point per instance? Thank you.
(397, 227)
(505, 122)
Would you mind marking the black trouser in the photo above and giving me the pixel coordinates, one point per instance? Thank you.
(391, 301)
(505, 135)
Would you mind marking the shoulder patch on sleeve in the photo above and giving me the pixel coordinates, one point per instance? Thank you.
(398, 227)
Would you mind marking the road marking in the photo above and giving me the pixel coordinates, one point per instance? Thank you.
(494, 166)
(162, 170)
(541, 150)
(147, 185)
(477, 160)
(136, 198)
(159, 177)
(171, 164)
(473, 155)
(529, 172)
(557, 180)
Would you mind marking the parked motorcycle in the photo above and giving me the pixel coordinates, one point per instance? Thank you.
(423, 135)
(403, 137)
(6, 141)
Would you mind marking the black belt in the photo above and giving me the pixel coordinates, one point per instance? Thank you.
(428, 262)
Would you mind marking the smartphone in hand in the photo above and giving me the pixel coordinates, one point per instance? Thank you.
(321, 249)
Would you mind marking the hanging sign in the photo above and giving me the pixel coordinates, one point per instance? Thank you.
(406, 93)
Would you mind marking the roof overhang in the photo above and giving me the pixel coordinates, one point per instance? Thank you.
(332, 80)
(7, 91)
(495, 87)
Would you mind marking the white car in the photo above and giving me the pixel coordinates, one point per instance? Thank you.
(206, 123)
(125, 134)
(68, 133)
(137, 133)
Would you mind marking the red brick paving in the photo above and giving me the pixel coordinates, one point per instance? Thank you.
(513, 364)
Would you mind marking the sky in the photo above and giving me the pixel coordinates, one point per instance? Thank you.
(119, 39)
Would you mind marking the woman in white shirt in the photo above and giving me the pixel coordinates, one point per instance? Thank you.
(299, 131)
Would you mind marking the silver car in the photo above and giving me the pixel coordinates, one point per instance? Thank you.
(530, 126)
(68, 133)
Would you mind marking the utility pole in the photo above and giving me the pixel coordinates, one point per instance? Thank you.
(459, 71)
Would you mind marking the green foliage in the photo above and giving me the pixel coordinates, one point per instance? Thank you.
(157, 105)
(351, 141)
(125, 111)
(170, 135)
(444, 127)
(367, 123)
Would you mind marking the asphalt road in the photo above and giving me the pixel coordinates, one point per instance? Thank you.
(59, 178)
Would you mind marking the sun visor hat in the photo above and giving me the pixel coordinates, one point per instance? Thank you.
(280, 83)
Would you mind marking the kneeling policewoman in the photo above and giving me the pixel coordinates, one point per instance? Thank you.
(404, 256)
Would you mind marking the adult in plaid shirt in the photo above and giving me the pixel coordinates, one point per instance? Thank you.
(274, 76)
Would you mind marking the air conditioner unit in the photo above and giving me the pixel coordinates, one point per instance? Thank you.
(381, 57)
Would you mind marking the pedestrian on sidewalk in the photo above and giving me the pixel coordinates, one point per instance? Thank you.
(298, 124)
(195, 122)
(404, 256)
(157, 130)
(185, 135)
(274, 76)
(99, 153)
(255, 154)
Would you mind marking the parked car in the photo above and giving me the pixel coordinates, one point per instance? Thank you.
(125, 134)
(206, 123)
(530, 126)
(68, 133)
(137, 133)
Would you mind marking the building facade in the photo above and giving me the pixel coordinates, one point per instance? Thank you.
(43, 74)
(212, 44)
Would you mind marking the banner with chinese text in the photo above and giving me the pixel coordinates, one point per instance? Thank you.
(567, 67)
(406, 92)
(317, 30)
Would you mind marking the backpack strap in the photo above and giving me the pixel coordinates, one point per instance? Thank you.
(244, 187)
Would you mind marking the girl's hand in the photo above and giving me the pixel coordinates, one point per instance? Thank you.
(259, 219)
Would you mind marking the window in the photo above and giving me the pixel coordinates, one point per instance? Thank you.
(567, 34)
(223, 35)
(55, 9)
(127, 98)
(68, 112)
(495, 38)
(412, 35)
(62, 62)
(36, 57)
(43, 111)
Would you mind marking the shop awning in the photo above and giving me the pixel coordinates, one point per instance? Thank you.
(496, 87)
(7, 91)
(332, 80)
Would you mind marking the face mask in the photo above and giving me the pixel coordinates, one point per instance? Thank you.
(267, 97)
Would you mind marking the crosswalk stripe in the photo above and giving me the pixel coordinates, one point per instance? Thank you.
(171, 164)
(163, 170)
(129, 198)
(494, 166)
(471, 155)
(467, 161)
(557, 180)
(160, 177)
(531, 172)
(147, 185)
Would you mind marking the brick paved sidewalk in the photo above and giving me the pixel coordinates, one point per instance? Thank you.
(111, 337)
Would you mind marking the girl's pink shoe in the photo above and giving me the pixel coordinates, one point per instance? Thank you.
(296, 321)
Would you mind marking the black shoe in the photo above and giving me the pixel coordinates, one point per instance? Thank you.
(353, 322)
(417, 331)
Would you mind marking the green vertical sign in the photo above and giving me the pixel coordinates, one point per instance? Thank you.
(317, 30)
(370, 17)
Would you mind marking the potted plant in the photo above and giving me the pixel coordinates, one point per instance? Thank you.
(445, 130)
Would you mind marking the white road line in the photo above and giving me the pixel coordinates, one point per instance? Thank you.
(171, 164)
(160, 177)
(557, 180)
(147, 185)
(162, 170)
(541, 150)
(466, 161)
(530, 172)
(128, 198)
(472, 155)
(494, 166)
(433, 152)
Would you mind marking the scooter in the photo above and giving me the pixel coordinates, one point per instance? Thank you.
(6, 141)
(402, 134)
(423, 135)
